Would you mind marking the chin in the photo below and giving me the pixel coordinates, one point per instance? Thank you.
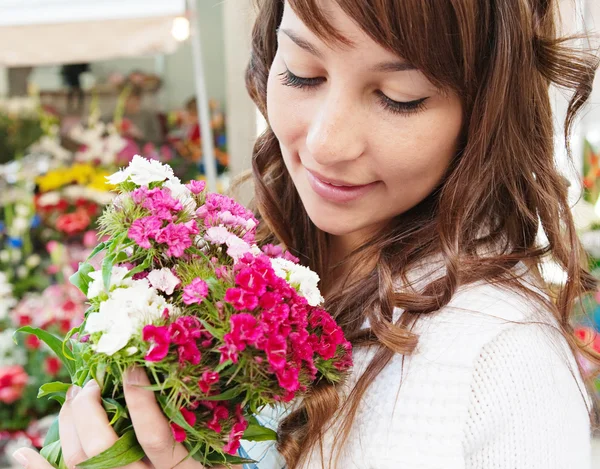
(334, 225)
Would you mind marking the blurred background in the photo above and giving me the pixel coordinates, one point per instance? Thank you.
(87, 84)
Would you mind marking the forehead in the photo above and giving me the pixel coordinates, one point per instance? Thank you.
(343, 34)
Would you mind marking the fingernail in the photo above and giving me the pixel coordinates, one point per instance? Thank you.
(135, 375)
(72, 392)
(91, 384)
(20, 458)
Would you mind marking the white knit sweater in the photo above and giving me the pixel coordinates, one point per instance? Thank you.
(485, 389)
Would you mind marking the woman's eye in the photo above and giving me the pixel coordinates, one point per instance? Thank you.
(289, 79)
(401, 107)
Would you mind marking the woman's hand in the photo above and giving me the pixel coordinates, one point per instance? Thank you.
(85, 431)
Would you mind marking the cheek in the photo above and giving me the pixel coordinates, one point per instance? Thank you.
(415, 158)
(286, 114)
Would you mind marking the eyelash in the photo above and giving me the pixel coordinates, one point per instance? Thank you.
(395, 107)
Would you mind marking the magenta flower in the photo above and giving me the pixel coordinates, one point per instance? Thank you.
(240, 299)
(244, 331)
(196, 187)
(207, 380)
(195, 292)
(288, 379)
(158, 336)
(188, 352)
(178, 432)
(161, 203)
(220, 412)
(144, 229)
(251, 281)
(178, 237)
(235, 435)
(276, 349)
(272, 251)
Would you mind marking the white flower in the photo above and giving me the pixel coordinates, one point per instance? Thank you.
(33, 261)
(49, 198)
(117, 279)
(144, 171)
(124, 314)
(217, 235)
(9, 353)
(237, 247)
(302, 278)
(250, 224)
(22, 210)
(120, 176)
(4, 256)
(181, 193)
(19, 226)
(163, 280)
(22, 271)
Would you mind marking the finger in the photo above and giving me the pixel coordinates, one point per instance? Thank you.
(151, 427)
(31, 459)
(91, 423)
(72, 450)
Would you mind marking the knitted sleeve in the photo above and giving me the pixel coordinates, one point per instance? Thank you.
(527, 407)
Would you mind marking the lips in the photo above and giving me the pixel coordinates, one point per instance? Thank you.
(335, 190)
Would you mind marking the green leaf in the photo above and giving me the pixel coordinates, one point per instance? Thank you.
(53, 434)
(53, 388)
(51, 453)
(215, 459)
(114, 407)
(51, 341)
(126, 450)
(174, 415)
(224, 396)
(223, 365)
(256, 432)
(107, 265)
(81, 279)
(214, 332)
(143, 266)
(97, 249)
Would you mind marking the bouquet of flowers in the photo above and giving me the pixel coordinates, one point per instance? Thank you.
(222, 327)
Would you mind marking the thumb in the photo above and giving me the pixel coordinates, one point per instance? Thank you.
(31, 459)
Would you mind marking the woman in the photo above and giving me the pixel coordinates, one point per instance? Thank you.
(409, 161)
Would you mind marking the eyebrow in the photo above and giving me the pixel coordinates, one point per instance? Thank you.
(393, 66)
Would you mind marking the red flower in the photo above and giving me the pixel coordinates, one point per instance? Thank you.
(220, 412)
(71, 223)
(179, 433)
(251, 281)
(240, 299)
(159, 337)
(13, 380)
(52, 366)
(207, 380)
(32, 342)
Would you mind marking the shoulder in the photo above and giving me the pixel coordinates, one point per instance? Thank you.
(528, 406)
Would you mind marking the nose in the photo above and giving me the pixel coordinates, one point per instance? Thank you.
(336, 134)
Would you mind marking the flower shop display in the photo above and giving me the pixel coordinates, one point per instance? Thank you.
(222, 327)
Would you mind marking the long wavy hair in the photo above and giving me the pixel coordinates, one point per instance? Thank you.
(500, 56)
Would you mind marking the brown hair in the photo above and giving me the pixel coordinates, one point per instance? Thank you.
(503, 56)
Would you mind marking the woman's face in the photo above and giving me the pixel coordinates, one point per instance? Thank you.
(364, 136)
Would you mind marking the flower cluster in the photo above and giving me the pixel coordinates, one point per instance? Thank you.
(222, 326)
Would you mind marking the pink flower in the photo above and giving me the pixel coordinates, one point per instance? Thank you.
(158, 336)
(179, 433)
(13, 380)
(240, 299)
(276, 349)
(161, 203)
(251, 281)
(244, 331)
(189, 352)
(220, 412)
(195, 292)
(288, 379)
(144, 229)
(178, 237)
(272, 251)
(196, 187)
(217, 235)
(207, 380)
(236, 247)
(237, 432)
